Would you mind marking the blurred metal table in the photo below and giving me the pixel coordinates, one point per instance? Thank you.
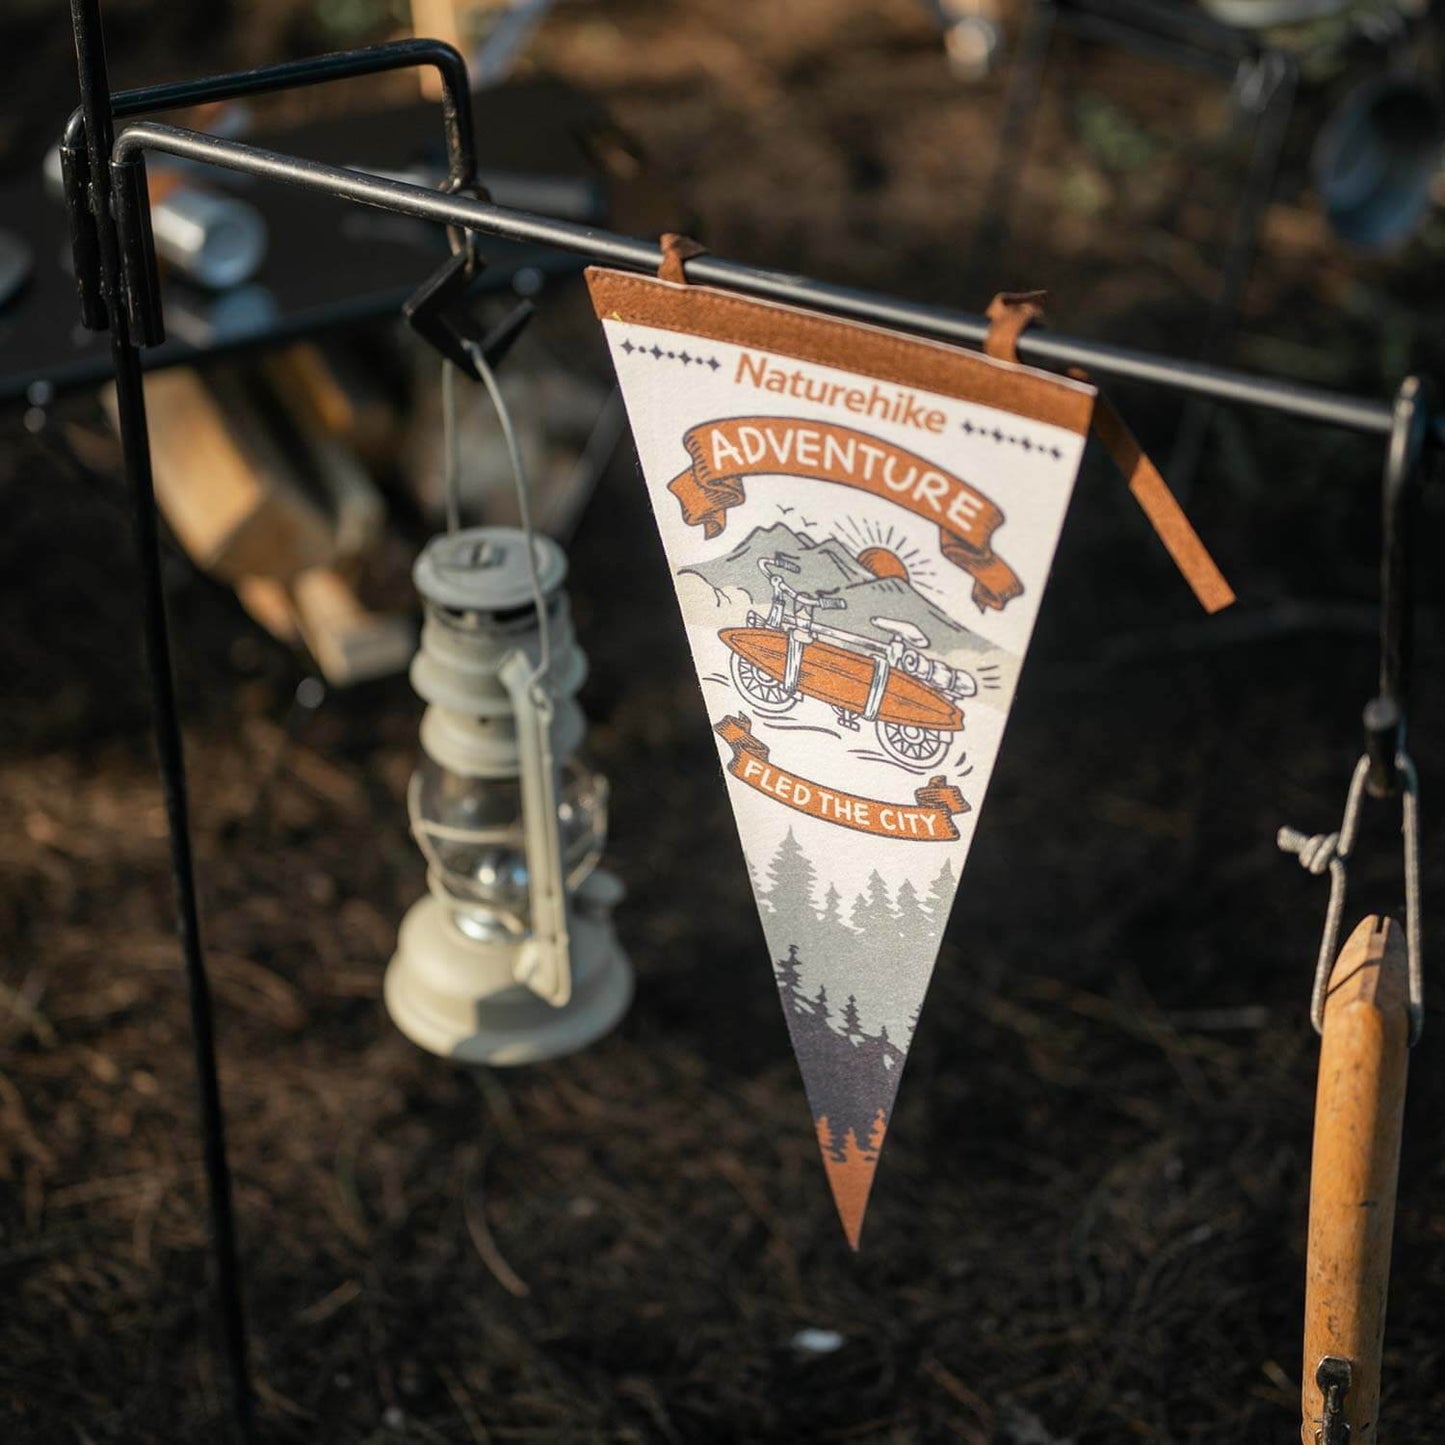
(538, 141)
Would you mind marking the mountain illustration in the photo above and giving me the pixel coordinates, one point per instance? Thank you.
(829, 564)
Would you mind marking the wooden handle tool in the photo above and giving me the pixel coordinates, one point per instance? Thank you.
(1361, 1099)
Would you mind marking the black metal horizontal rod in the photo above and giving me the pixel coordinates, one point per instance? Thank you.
(1038, 347)
(1177, 24)
(288, 75)
(317, 70)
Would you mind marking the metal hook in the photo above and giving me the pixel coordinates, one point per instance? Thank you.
(1386, 715)
(440, 312)
(1385, 768)
(1332, 851)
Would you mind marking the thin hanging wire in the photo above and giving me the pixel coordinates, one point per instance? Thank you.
(451, 459)
(1332, 852)
(524, 509)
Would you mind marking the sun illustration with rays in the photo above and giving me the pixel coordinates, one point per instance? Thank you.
(883, 562)
(887, 552)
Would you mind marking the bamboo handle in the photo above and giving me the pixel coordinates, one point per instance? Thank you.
(1358, 1109)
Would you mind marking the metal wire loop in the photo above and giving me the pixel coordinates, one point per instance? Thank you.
(1320, 852)
(459, 238)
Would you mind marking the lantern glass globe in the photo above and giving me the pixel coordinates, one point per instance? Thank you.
(476, 840)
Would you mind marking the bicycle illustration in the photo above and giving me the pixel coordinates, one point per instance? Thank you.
(912, 699)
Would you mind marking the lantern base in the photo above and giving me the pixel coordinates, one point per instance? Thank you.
(456, 997)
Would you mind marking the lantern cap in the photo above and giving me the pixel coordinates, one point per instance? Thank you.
(484, 569)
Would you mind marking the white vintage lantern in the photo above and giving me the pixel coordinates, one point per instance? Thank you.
(512, 956)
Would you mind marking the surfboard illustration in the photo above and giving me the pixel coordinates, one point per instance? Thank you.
(789, 655)
(842, 679)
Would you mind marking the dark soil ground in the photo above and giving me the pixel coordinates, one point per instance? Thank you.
(1088, 1225)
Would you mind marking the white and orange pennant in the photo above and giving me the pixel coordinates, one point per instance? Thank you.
(860, 525)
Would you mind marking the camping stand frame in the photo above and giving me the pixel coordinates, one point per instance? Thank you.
(118, 285)
(1262, 82)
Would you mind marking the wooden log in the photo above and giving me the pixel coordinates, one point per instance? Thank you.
(239, 492)
(269, 603)
(349, 643)
(455, 21)
(222, 483)
(328, 391)
(1359, 1106)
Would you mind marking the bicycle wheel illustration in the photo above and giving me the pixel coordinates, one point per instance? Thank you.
(912, 746)
(761, 689)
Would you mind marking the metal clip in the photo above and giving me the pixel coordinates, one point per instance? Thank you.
(1333, 1377)
(440, 312)
(84, 237)
(1332, 851)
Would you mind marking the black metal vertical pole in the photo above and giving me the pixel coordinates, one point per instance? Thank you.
(1021, 102)
(130, 409)
(1273, 76)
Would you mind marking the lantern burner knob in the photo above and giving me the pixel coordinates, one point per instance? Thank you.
(484, 569)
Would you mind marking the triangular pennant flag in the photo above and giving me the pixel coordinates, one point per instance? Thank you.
(859, 526)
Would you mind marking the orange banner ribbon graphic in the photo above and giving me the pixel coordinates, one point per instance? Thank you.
(928, 819)
(726, 453)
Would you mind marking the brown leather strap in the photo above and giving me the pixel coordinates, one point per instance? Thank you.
(1010, 314)
(1161, 506)
(675, 250)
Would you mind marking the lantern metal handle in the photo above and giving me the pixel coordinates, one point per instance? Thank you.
(545, 962)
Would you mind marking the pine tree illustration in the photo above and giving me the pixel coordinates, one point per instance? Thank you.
(888, 1051)
(759, 892)
(793, 879)
(789, 974)
(876, 1131)
(836, 944)
(832, 908)
(873, 911)
(831, 1146)
(852, 1024)
(914, 925)
(820, 1004)
(940, 895)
